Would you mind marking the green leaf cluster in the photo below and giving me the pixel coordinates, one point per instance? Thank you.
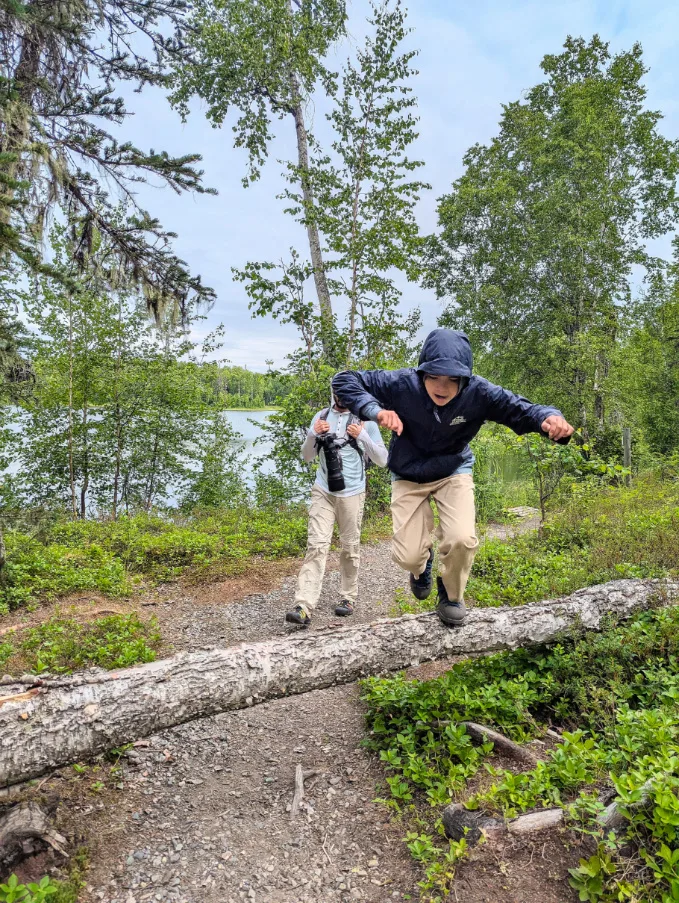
(62, 645)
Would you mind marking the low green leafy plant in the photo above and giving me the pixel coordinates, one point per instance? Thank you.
(40, 892)
(613, 694)
(598, 535)
(62, 645)
(113, 557)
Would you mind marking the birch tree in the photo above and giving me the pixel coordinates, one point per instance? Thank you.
(261, 61)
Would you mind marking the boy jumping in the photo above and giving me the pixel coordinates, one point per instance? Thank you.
(434, 411)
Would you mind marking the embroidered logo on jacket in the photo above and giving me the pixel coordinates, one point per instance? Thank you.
(456, 421)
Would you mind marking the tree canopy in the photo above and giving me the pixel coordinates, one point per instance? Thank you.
(62, 64)
(543, 233)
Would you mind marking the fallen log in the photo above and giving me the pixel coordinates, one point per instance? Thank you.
(480, 734)
(459, 822)
(47, 723)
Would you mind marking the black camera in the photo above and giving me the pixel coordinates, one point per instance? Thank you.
(333, 460)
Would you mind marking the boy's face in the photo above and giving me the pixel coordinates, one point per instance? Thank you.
(441, 389)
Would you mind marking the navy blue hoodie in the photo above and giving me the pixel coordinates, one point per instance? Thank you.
(435, 439)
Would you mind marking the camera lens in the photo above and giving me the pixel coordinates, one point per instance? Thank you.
(333, 462)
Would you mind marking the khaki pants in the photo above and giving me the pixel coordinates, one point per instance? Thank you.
(324, 511)
(414, 520)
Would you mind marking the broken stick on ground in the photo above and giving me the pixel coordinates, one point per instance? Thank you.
(299, 792)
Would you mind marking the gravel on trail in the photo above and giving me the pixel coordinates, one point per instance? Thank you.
(202, 813)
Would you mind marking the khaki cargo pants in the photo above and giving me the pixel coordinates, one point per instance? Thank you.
(414, 521)
(324, 511)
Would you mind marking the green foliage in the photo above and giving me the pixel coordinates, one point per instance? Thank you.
(220, 482)
(646, 366)
(542, 232)
(600, 534)
(65, 97)
(40, 892)
(551, 463)
(47, 890)
(364, 210)
(62, 645)
(366, 190)
(110, 556)
(121, 414)
(501, 476)
(42, 569)
(237, 387)
(258, 60)
(615, 696)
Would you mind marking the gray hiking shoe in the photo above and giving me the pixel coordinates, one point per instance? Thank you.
(298, 615)
(451, 613)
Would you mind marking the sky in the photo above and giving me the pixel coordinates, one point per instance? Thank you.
(473, 57)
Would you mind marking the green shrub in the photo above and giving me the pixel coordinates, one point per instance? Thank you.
(36, 570)
(62, 645)
(600, 534)
(615, 696)
(40, 892)
(110, 556)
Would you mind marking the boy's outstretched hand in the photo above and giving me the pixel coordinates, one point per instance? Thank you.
(556, 427)
(390, 421)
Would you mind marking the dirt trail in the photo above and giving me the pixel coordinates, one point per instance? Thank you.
(200, 813)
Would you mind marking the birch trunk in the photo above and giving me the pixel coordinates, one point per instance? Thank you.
(45, 724)
(315, 250)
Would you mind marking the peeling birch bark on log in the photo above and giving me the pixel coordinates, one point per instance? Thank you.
(47, 723)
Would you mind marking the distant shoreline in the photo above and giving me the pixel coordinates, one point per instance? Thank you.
(254, 410)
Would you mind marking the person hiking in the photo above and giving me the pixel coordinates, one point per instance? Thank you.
(434, 410)
(343, 443)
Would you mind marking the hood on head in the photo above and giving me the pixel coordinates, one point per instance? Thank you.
(446, 352)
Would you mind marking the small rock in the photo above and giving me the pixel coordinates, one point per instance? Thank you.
(523, 511)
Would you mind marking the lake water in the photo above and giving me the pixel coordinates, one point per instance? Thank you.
(241, 421)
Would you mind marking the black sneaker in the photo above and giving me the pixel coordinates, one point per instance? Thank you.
(344, 608)
(299, 615)
(421, 586)
(451, 613)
